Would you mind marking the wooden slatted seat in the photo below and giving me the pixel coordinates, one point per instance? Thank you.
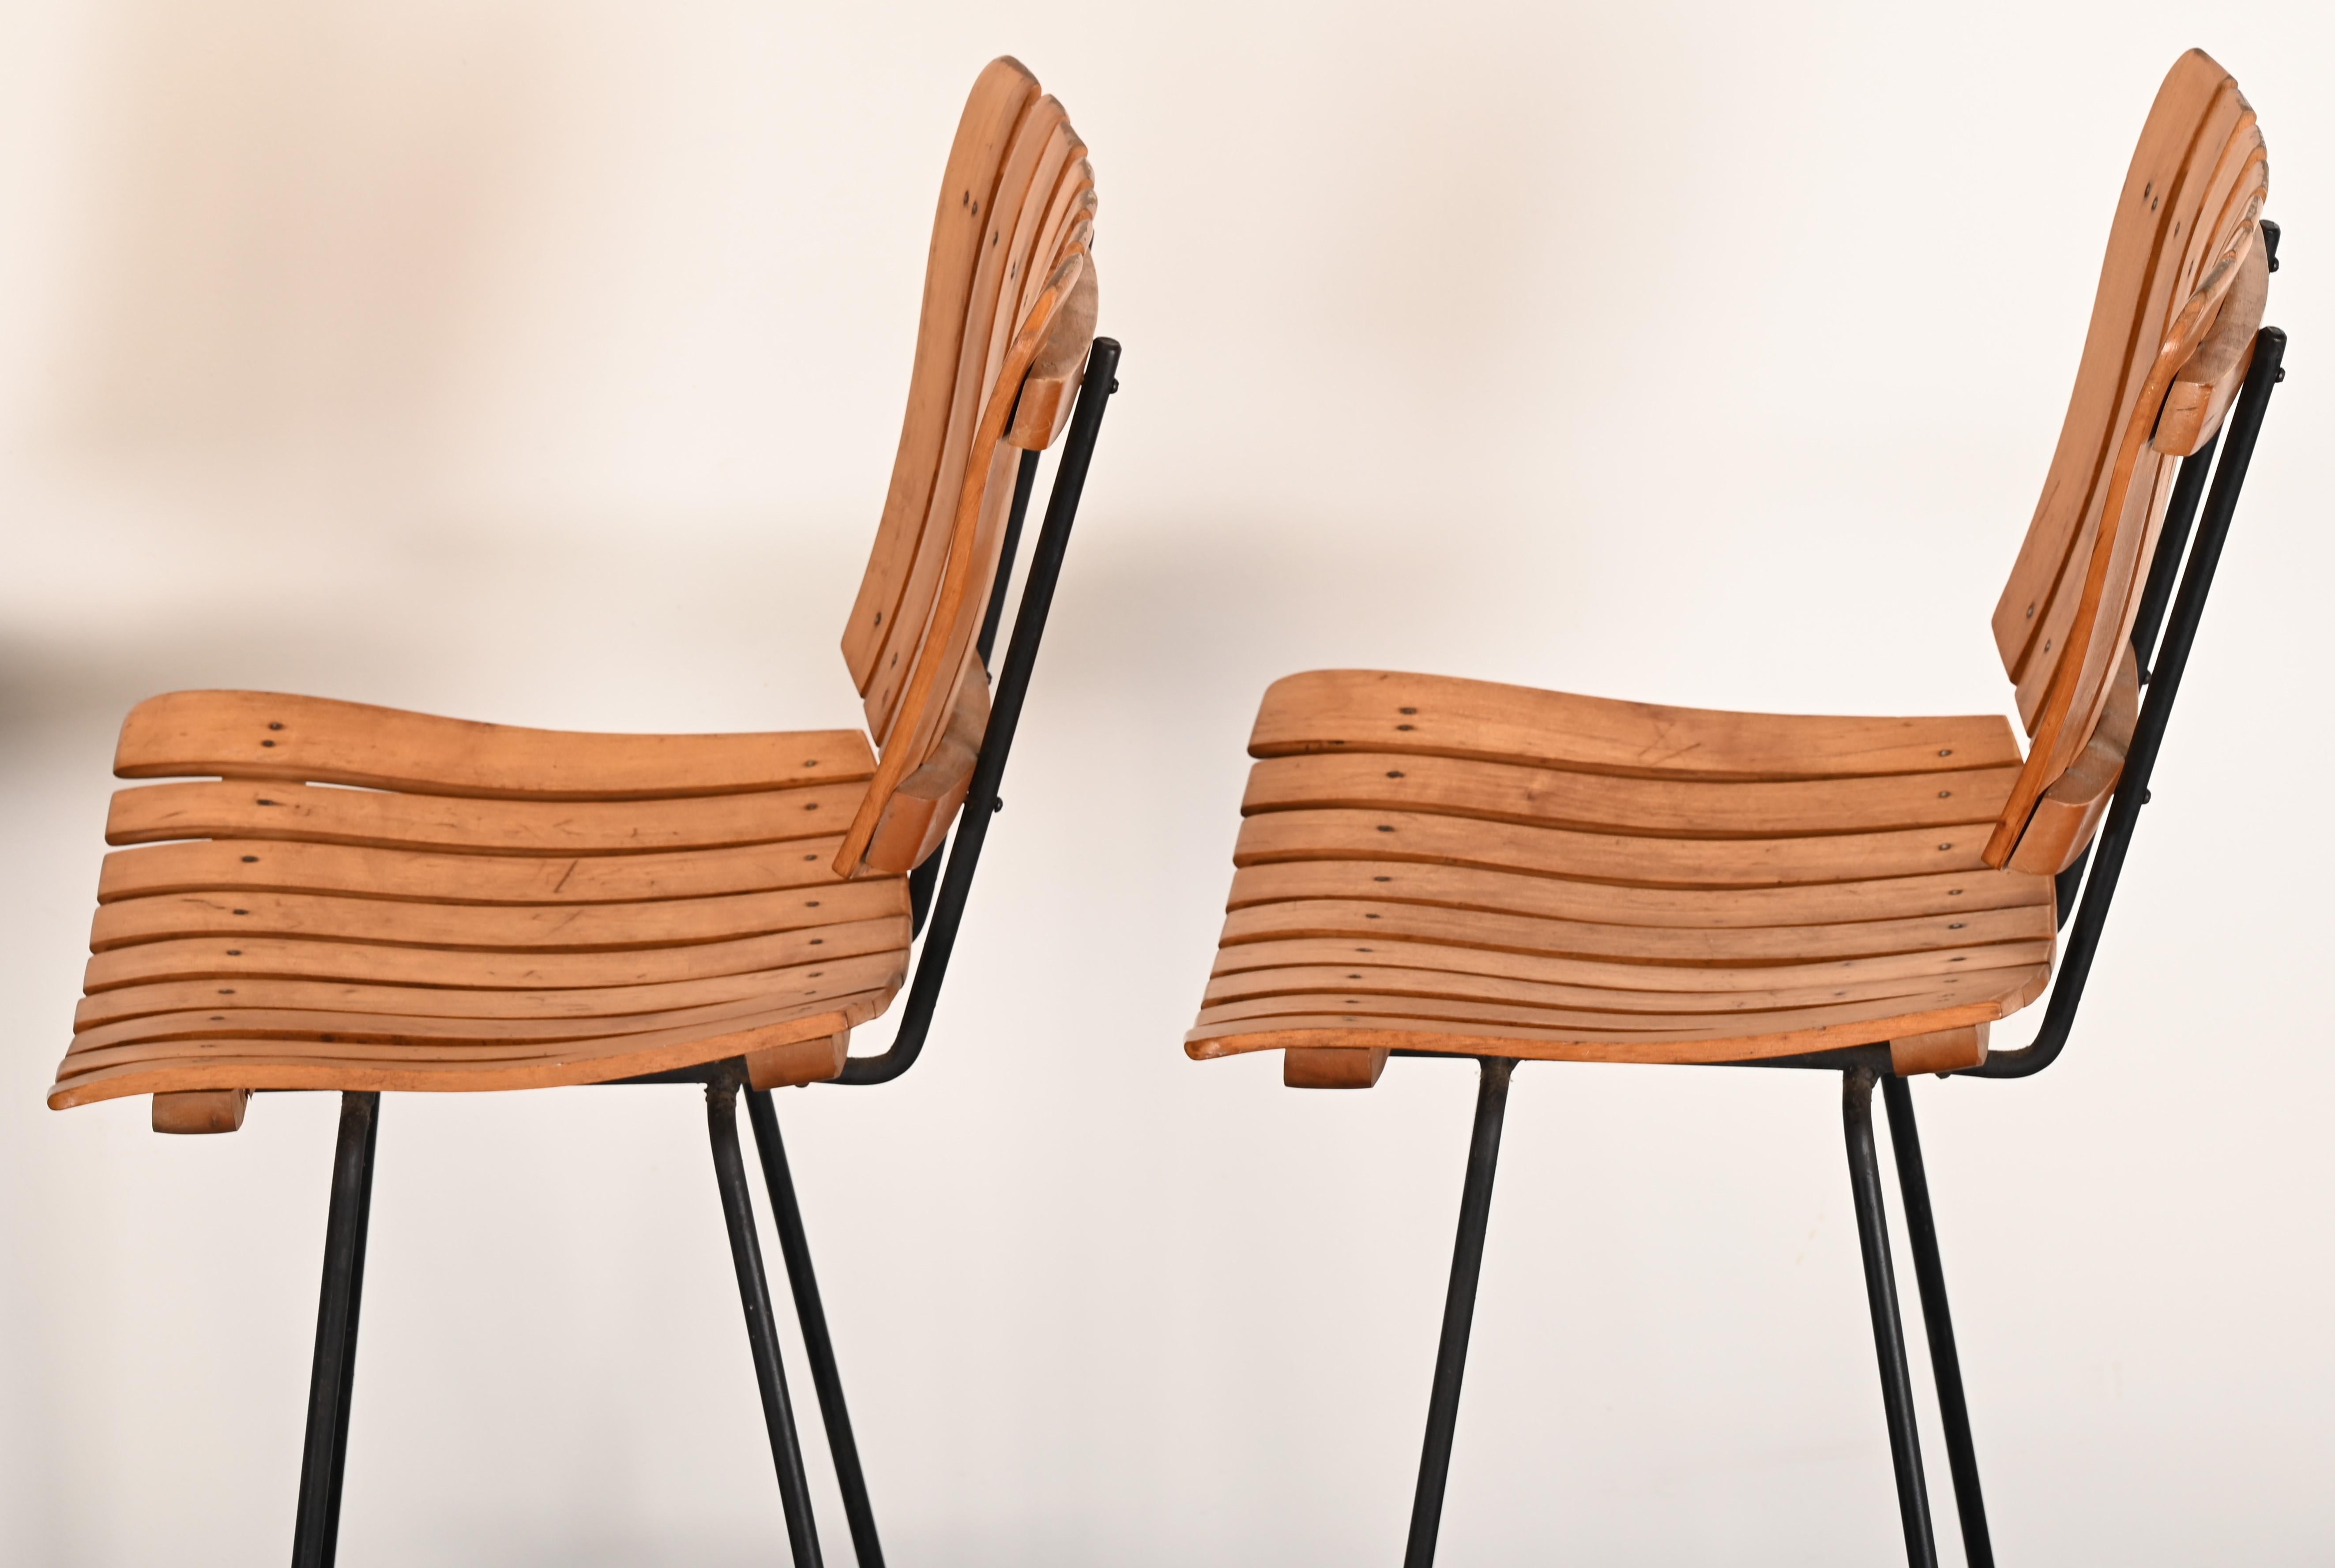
(369, 899)
(1442, 867)
(315, 895)
(1471, 867)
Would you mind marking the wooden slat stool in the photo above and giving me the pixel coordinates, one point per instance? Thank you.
(1442, 867)
(336, 896)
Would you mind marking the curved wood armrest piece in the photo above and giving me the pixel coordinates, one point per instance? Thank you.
(2203, 389)
(2072, 810)
(1052, 388)
(917, 818)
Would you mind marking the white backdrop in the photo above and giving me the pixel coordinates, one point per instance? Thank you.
(538, 361)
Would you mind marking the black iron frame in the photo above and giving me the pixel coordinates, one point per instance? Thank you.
(331, 1379)
(2086, 888)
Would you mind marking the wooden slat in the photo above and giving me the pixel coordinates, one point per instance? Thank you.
(963, 555)
(909, 643)
(2105, 367)
(269, 735)
(1520, 933)
(1514, 893)
(272, 865)
(1027, 267)
(1049, 391)
(2121, 514)
(1382, 710)
(230, 1064)
(230, 959)
(2064, 819)
(607, 927)
(1622, 974)
(1386, 981)
(233, 809)
(451, 1001)
(957, 609)
(1510, 792)
(966, 451)
(1327, 1032)
(1074, 200)
(239, 1022)
(2204, 388)
(1001, 95)
(2101, 620)
(2184, 228)
(1612, 857)
(916, 818)
(1362, 1009)
(418, 1050)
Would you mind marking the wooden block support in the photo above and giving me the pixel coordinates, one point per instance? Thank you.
(200, 1110)
(1943, 1052)
(798, 1062)
(1332, 1067)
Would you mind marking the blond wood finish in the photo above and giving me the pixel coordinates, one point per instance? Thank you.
(948, 658)
(998, 367)
(1461, 867)
(967, 458)
(960, 220)
(917, 817)
(2204, 388)
(1439, 715)
(326, 895)
(2065, 817)
(270, 735)
(2186, 224)
(537, 915)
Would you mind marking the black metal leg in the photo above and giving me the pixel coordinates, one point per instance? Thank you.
(761, 1328)
(333, 1374)
(1458, 1312)
(1961, 1454)
(794, 1250)
(1888, 1334)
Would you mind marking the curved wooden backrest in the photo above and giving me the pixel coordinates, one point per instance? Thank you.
(1009, 312)
(2180, 297)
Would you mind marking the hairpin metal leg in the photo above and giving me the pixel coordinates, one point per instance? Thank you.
(1961, 1454)
(332, 1376)
(794, 1250)
(762, 1330)
(1458, 1310)
(1888, 1334)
